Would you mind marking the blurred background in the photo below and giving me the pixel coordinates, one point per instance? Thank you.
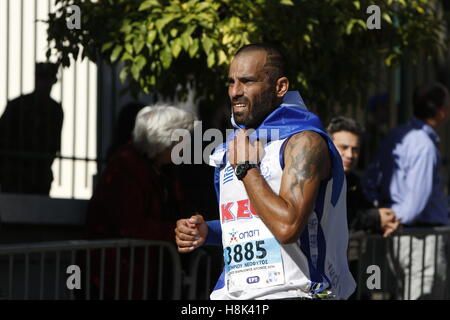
(140, 52)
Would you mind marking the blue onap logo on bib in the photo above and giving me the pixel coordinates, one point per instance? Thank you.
(254, 279)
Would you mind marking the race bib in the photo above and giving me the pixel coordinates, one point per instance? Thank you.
(252, 260)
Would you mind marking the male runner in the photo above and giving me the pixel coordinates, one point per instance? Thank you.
(282, 204)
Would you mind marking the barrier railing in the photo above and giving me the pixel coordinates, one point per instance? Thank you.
(41, 270)
(412, 264)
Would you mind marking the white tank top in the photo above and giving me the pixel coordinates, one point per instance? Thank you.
(257, 266)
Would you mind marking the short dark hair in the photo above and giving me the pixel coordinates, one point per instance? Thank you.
(428, 99)
(342, 123)
(276, 64)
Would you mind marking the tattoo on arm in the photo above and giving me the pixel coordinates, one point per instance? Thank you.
(308, 156)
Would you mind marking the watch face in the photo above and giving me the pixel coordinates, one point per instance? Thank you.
(239, 170)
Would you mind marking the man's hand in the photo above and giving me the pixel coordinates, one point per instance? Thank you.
(190, 233)
(241, 150)
(389, 223)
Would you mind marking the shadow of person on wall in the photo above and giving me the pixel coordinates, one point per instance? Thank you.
(30, 136)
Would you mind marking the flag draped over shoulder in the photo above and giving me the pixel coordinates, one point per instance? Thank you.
(289, 118)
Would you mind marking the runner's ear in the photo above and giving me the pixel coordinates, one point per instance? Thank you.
(282, 87)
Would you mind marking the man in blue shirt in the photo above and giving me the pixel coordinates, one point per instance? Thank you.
(405, 177)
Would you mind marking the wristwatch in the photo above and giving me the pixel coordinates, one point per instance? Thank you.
(242, 168)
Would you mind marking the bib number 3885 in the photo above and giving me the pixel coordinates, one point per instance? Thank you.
(245, 252)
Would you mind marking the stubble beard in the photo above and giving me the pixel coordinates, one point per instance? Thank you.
(257, 112)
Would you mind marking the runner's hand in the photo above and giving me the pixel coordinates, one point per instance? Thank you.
(190, 233)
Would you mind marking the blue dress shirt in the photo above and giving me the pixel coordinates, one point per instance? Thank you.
(405, 175)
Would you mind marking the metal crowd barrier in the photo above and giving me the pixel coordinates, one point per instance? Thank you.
(39, 270)
(199, 282)
(407, 264)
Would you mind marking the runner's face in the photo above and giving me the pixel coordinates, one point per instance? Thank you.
(252, 94)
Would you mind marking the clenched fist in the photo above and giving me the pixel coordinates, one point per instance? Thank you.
(242, 150)
(190, 233)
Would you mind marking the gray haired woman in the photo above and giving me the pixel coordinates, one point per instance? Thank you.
(138, 196)
(155, 128)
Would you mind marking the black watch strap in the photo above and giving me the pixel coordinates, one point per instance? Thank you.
(242, 168)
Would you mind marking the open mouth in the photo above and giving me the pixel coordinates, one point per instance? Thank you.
(239, 107)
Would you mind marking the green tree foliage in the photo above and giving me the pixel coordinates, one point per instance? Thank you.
(167, 46)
